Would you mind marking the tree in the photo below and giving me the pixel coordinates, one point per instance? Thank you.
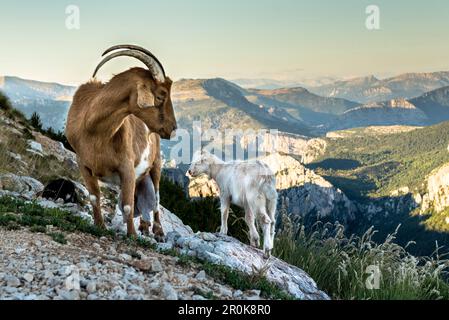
(35, 121)
(4, 102)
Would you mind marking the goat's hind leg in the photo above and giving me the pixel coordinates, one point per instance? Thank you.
(271, 207)
(224, 204)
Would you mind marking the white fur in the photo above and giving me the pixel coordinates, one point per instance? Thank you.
(144, 164)
(93, 199)
(158, 199)
(248, 184)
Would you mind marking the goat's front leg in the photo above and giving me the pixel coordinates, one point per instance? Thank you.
(224, 204)
(158, 231)
(128, 186)
(94, 195)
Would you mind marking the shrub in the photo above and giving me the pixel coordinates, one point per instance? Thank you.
(4, 103)
(11, 112)
(58, 237)
(36, 123)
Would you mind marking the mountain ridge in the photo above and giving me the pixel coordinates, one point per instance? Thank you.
(372, 89)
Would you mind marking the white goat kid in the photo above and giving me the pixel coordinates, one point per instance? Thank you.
(247, 184)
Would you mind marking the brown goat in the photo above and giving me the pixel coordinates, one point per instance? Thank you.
(114, 129)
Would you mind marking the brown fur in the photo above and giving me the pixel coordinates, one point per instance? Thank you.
(106, 128)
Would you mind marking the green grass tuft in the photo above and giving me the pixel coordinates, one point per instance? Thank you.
(58, 237)
(339, 265)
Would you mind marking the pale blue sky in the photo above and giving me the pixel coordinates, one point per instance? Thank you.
(228, 38)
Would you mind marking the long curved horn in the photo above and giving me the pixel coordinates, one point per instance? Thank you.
(137, 48)
(148, 61)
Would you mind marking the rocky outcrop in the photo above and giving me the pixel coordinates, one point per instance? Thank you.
(27, 187)
(224, 250)
(303, 148)
(219, 249)
(436, 197)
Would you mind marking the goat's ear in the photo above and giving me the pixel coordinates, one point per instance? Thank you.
(145, 98)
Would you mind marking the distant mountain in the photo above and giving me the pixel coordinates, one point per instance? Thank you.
(261, 83)
(50, 100)
(18, 89)
(434, 104)
(371, 89)
(221, 104)
(302, 97)
(430, 108)
(389, 113)
(270, 84)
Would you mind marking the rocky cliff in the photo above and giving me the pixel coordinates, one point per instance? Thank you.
(436, 196)
(305, 149)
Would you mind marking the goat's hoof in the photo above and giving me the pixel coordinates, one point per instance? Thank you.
(158, 232)
(159, 237)
(267, 254)
(132, 234)
(144, 231)
(255, 245)
(100, 224)
(144, 227)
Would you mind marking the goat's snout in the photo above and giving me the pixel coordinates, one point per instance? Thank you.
(173, 132)
(168, 132)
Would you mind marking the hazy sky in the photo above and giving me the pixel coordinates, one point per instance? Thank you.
(278, 39)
